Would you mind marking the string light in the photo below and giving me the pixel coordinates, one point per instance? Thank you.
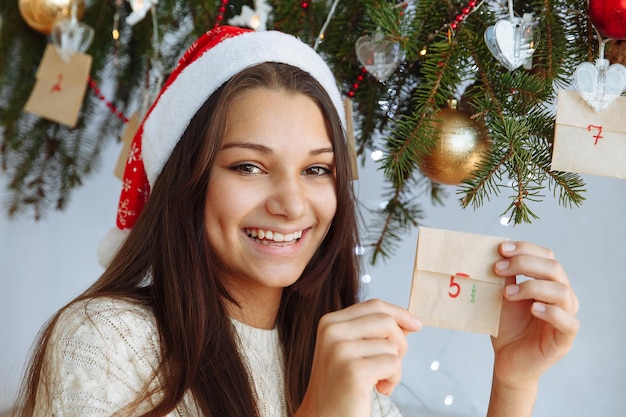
(115, 32)
(377, 155)
(321, 35)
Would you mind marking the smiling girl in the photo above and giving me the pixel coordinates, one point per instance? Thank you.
(235, 291)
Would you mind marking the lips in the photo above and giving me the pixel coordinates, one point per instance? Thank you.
(268, 237)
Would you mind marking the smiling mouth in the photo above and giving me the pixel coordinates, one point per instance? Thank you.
(269, 237)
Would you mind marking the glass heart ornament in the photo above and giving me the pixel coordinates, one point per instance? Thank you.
(379, 56)
(512, 42)
(600, 84)
(70, 36)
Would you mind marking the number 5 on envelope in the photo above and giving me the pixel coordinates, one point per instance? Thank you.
(454, 285)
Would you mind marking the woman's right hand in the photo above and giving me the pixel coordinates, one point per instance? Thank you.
(358, 349)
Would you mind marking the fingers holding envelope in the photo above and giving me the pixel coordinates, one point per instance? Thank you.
(538, 322)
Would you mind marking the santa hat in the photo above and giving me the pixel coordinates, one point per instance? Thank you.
(212, 60)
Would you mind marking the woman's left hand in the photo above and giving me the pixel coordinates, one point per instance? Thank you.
(538, 322)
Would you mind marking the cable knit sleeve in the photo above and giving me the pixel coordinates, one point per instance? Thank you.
(102, 355)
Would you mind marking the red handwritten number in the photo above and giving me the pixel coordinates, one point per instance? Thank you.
(599, 135)
(57, 86)
(455, 286)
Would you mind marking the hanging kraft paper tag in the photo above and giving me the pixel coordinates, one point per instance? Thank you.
(347, 104)
(589, 142)
(127, 138)
(60, 87)
(454, 285)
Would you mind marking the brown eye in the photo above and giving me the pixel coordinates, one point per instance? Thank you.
(248, 169)
(317, 171)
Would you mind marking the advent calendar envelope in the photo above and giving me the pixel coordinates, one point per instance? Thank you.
(127, 138)
(60, 87)
(589, 142)
(454, 285)
(347, 105)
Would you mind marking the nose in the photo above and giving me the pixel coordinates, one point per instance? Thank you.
(288, 197)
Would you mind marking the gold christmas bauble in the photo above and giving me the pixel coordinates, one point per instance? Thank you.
(42, 14)
(462, 142)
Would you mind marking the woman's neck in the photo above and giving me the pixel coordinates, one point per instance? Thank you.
(257, 309)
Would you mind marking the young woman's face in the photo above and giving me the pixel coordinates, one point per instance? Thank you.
(271, 195)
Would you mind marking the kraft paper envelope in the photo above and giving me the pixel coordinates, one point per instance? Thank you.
(589, 142)
(347, 104)
(60, 87)
(127, 138)
(454, 284)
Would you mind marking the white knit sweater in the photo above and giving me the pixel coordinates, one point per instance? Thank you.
(103, 354)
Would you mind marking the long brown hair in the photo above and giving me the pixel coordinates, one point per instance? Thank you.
(169, 245)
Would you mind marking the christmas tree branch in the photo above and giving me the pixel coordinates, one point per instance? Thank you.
(444, 57)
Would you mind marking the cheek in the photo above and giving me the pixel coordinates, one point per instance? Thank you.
(218, 202)
(227, 203)
(326, 206)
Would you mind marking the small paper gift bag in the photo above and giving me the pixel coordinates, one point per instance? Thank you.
(589, 142)
(60, 87)
(127, 138)
(454, 284)
(347, 104)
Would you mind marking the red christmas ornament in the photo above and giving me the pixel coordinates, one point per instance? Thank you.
(609, 17)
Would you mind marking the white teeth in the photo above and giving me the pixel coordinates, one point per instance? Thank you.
(267, 235)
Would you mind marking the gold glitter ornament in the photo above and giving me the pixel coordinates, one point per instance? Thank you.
(461, 144)
(42, 14)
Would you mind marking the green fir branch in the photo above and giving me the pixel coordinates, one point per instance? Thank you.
(400, 214)
(45, 162)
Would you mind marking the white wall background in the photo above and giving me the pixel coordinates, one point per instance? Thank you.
(44, 264)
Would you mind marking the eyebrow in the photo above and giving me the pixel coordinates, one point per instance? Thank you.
(268, 150)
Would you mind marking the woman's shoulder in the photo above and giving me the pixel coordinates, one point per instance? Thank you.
(105, 318)
(106, 311)
(102, 354)
(96, 324)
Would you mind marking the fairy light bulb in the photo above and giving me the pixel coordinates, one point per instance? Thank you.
(376, 155)
(255, 21)
(136, 5)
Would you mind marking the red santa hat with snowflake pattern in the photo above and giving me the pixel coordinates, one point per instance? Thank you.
(212, 60)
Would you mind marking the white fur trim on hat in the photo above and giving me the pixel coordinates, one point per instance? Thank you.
(178, 103)
(110, 244)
